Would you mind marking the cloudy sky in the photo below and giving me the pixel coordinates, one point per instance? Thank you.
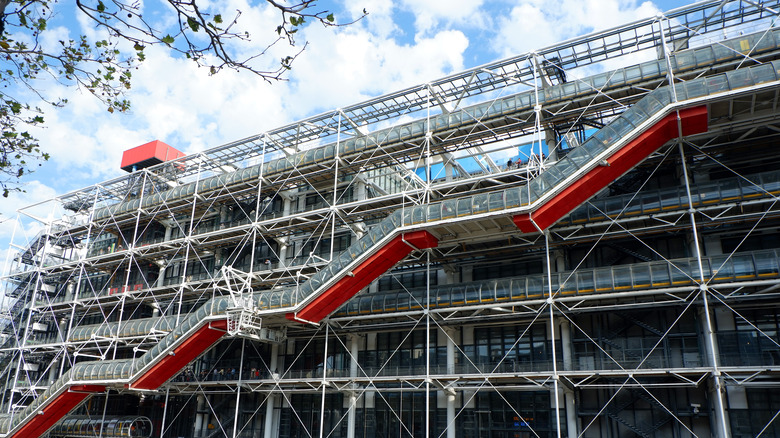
(399, 44)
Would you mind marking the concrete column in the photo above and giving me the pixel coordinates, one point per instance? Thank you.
(712, 245)
(551, 141)
(451, 333)
(282, 252)
(558, 260)
(218, 259)
(351, 401)
(467, 273)
(55, 366)
(168, 229)
(223, 216)
(566, 345)
(354, 347)
(200, 418)
(270, 422)
(286, 203)
(63, 330)
(451, 414)
(160, 277)
(360, 190)
(572, 423)
(69, 291)
(716, 381)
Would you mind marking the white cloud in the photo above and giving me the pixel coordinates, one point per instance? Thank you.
(536, 24)
(432, 14)
(23, 228)
(350, 66)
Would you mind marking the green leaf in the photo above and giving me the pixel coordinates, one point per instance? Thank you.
(138, 47)
(101, 7)
(218, 18)
(5, 45)
(194, 25)
(167, 39)
(330, 18)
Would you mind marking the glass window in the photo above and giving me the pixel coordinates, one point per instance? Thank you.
(496, 201)
(480, 204)
(434, 212)
(464, 207)
(696, 88)
(740, 78)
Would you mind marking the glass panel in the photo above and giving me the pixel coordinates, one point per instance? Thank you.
(434, 212)
(418, 214)
(722, 269)
(480, 203)
(464, 207)
(603, 280)
(763, 73)
(740, 78)
(616, 78)
(685, 60)
(599, 80)
(696, 88)
(503, 290)
(621, 277)
(533, 288)
(704, 56)
(641, 276)
(622, 127)
(448, 209)
(581, 155)
(551, 178)
(659, 274)
(585, 283)
(680, 91)
(496, 201)
(512, 197)
(743, 266)
(604, 138)
(633, 73)
(766, 264)
(566, 166)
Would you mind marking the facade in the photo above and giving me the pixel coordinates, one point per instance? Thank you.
(547, 245)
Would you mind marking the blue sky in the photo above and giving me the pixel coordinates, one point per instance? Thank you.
(401, 43)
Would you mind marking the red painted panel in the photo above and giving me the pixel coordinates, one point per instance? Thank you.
(693, 121)
(371, 269)
(154, 152)
(185, 353)
(57, 408)
(421, 239)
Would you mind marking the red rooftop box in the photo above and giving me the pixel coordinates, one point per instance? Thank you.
(149, 154)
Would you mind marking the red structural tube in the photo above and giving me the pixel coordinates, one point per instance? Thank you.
(693, 121)
(362, 275)
(56, 409)
(185, 353)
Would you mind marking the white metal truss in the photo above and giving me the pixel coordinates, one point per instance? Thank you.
(80, 260)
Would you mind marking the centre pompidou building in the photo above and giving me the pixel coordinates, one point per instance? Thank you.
(581, 241)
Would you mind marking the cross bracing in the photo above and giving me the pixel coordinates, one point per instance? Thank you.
(600, 288)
